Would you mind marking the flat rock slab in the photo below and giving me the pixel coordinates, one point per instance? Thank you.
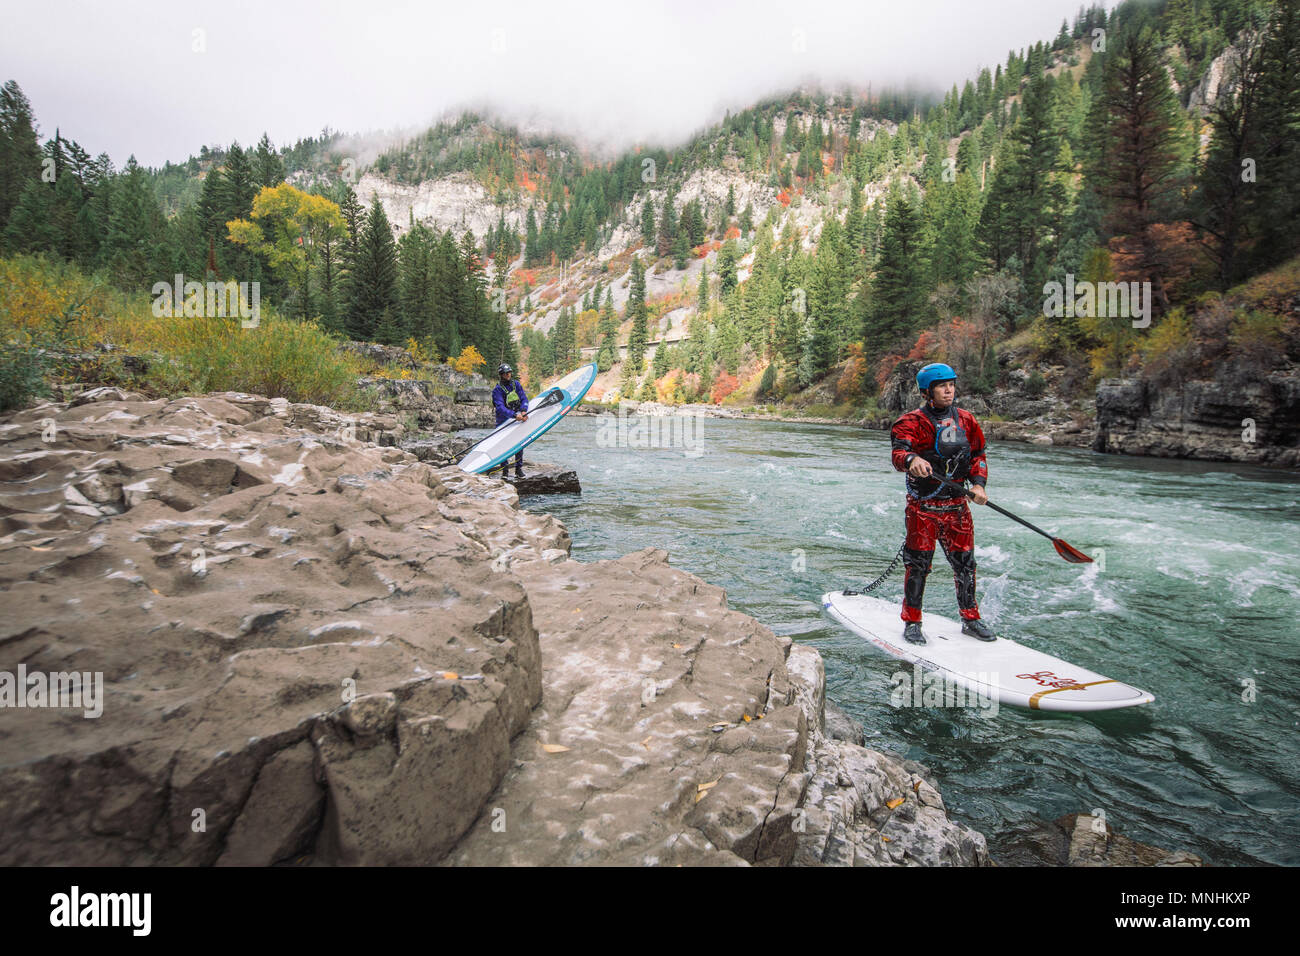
(543, 479)
(676, 731)
(308, 643)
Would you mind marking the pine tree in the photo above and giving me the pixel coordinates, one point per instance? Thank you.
(726, 268)
(636, 311)
(702, 292)
(239, 185)
(667, 224)
(372, 287)
(694, 217)
(1138, 158)
(608, 330)
(1274, 206)
(680, 251)
(955, 255)
(20, 151)
(268, 167)
(416, 278)
(897, 294)
(532, 252)
(648, 221)
(238, 190)
(130, 230)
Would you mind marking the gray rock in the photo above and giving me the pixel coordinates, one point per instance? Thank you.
(474, 396)
(247, 591)
(432, 409)
(1258, 421)
(544, 479)
(438, 450)
(840, 726)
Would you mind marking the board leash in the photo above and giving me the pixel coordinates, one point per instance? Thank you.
(886, 573)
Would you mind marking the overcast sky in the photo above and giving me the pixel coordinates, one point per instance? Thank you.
(159, 79)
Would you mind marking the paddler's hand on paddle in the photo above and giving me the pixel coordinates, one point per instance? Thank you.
(521, 416)
(978, 495)
(919, 468)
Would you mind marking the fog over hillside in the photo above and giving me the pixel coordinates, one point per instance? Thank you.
(159, 79)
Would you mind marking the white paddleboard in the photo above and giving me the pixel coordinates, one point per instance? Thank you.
(1002, 670)
(547, 408)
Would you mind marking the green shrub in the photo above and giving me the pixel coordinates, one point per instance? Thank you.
(22, 376)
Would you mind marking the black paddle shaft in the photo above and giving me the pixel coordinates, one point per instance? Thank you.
(970, 494)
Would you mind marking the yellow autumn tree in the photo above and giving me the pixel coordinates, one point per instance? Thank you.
(468, 360)
(295, 232)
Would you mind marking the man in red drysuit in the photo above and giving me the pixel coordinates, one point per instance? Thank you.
(940, 439)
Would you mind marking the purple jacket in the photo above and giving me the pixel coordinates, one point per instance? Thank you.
(506, 410)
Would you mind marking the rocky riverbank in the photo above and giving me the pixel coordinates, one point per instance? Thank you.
(1204, 421)
(313, 648)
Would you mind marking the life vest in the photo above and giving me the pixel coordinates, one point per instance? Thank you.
(512, 398)
(949, 456)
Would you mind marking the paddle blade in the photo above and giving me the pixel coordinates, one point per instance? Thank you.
(1069, 552)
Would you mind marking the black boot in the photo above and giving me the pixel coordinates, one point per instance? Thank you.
(519, 470)
(977, 628)
(912, 633)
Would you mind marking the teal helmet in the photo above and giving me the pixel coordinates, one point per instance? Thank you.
(933, 374)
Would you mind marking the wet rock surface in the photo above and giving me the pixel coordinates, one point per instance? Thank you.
(541, 478)
(1080, 839)
(314, 648)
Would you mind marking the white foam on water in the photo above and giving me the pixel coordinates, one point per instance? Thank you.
(1245, 583)
(1090, 581)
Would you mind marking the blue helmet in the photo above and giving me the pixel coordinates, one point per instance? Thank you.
(934, 373)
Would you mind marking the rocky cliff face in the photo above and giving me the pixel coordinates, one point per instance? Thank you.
(1213, 421)
(456, 202)
(317, 649)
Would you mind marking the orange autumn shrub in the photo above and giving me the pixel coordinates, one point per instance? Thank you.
(724, 386)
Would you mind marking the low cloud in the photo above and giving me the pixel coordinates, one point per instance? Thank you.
(159, 79)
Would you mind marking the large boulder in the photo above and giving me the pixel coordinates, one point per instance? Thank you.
(674, 730)
(304, 644)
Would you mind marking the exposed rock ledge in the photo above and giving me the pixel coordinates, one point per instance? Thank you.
(314, 648)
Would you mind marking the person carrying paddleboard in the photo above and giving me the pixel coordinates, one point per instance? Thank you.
(509, 400)
(939, 438)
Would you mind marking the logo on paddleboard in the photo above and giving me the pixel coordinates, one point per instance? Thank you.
(1048, 679)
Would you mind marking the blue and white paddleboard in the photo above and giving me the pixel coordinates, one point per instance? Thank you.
(1003, 670)
(548, 407)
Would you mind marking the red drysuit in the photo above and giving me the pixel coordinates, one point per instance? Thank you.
(952, 441)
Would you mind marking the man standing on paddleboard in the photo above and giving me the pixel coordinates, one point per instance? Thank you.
(509, 400)
(939, 439)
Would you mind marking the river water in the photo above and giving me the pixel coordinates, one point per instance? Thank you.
(1197, 601)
